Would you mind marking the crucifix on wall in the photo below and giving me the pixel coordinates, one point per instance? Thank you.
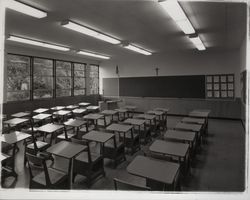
(156, 71)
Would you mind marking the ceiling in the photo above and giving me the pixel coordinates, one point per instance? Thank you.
(221, 26)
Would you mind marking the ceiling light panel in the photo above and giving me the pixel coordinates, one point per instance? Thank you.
(89, 32)
(138, 50)
(25, 9)
(93, 55)
(37, 43)
(173, 8)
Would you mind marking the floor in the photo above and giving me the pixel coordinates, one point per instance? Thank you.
(219, 166)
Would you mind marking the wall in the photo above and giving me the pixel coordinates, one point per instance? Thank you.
(181, 63)
(9, 107)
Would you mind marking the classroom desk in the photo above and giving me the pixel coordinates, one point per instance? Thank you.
(62, 114)
(165, 115)
(76, 123)
(136, 122)
(13, 138)
(98, 136)
(121, 128)
(110, 113)
(79, 111)
(159, 174)
(193, 120)
(94, 117)
(93, 108)
(42, 116)
(123, 112)
(15, 122)
(182, 136)
(40, 110)
(72, 107)
(67, 150)
(201, 114)
(157, 113)
(130, 109)
(147, 117)
(176, 149)
(191, 127)
(50, 129)
(58, 108)
(21, 114)
(84, 104)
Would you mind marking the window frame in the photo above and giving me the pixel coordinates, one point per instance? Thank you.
(95, 77)
(31, 77)
(85, 78)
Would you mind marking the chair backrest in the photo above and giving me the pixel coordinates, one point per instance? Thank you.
(37, 162)
(124, 185)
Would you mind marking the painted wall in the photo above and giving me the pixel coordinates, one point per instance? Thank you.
(176, 63)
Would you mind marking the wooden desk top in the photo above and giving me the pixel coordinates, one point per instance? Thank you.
(61, 112)
(134, 121)
(14, 137)
(119, 128)
(193, 120)
(130, 107)
(155, 112)
(180, 135)
(16, 121)
(74, 122)
(57, 108)
(189, 127)
(92, 107)
(72, 107)
(3, 157)
(93, 116)
(41, 116)
(169, 148)
(50, 128)
(98, 136)
(109, 112)
(195, 113)
(79, 110)
(145, 116)
(158, 170)
(165, 110)
(121, 110)
(84, 104)
(66, 149)
(21, 114)
(40, 110)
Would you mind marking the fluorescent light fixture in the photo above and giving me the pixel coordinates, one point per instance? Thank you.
(25, 9)
(89, 32)
(93, 54)
(175, 11)
(197, 42)
(37, 43)
(138, 50)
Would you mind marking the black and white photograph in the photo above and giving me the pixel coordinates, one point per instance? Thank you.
(124, 99)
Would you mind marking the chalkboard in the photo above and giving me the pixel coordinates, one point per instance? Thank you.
(163, 86)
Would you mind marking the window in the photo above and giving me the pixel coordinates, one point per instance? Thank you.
(94, 79)
(79, 79)
(63, 79)
(42, 78)
(18, 81)
(220, 86)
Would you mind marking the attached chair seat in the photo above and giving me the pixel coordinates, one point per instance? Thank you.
(55, 176)
(83, 157)
(39, 144)
(62, 136)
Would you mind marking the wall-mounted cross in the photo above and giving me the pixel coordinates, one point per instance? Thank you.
(156, 71)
